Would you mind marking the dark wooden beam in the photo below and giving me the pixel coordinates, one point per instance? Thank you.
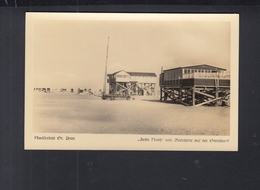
(208, 102)
(205, 94)
(193, 97)
(184, 103)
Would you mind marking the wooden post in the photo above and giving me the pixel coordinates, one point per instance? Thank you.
(165, 94)
(161, 94)
(216, 93)
(180, 96)
(175, 94)
(193, 96)
(216, 96)
(172, 95)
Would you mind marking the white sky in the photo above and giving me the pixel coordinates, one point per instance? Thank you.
(70, 51)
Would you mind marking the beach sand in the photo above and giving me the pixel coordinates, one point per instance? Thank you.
(73, 113)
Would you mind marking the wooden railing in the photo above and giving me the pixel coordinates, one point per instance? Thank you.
(206, 76)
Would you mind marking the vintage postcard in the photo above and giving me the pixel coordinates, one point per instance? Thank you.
(115, 81)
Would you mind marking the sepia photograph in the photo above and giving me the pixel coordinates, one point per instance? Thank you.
(117, 81)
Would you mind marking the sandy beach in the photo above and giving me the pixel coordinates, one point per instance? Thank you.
(74, 113)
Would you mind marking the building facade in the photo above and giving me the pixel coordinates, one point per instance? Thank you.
(132, 83)
(195, 85)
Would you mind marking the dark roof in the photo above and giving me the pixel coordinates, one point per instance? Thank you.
(116, 72)
(204, 66)
(142, 74)
(137, 74)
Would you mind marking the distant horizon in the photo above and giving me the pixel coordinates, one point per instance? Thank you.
(70, 50)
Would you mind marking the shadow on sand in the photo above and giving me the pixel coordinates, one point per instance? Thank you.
(158, 101)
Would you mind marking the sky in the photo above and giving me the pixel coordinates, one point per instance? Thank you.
(70, 51)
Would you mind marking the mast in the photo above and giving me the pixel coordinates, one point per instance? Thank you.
(105, 78)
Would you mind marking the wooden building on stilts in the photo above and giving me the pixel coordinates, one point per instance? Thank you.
(132, 83)
(195, 85)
